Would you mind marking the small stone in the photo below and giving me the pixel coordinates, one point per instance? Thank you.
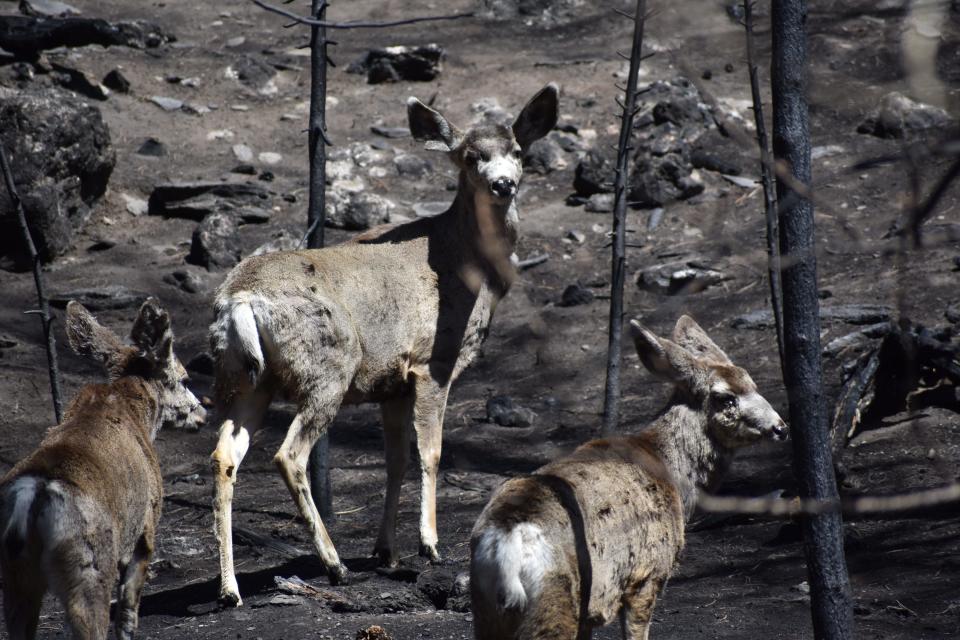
(239, 107)
(135, 206)
(412, 166)
(269, 157)
(501, 410)
(243, 153)
(375, 632)
(576, 236)
(245, 169)
(953, 313)
(235, 42)
(544, 156)
(219, 134)
(152, 147)
(656, 216)
(429, 209)
(167, 104)
(116, 81)
(184, 280)
(266, 176)
(600, 203)
(195, 109)
(740, 181)
(575, 295)
(390, 132)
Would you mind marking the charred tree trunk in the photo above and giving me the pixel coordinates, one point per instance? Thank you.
(823, 534)
(611, 399)
(316, 213)
(42, 301)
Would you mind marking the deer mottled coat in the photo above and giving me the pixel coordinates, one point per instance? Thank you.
(392, 317)
(79, 514)
(596, 534)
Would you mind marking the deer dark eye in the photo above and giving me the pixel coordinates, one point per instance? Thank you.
(517, 153)
(725, 400)
(471, 156)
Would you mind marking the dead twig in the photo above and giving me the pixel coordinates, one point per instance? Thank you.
(354, 24)
(44, 311)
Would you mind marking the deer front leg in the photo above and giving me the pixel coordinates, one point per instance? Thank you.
(397, 419)
(291, 460)
(429, 407)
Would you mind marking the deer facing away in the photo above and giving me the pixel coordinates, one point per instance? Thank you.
(392, 317)
(79, 514)
(597, 533)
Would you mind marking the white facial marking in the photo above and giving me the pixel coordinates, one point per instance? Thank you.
(500, 168)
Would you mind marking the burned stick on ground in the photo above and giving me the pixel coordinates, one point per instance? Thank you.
(611, 400)
(42, 300)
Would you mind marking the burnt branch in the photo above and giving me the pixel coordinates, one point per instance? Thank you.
(766, 179)
(44, 311)
(628, 106)
(354, 24)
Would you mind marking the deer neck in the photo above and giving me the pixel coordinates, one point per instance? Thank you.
(696, 460)
(142, 400)
(489, 230)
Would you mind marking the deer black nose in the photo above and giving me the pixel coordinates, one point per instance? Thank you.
(780, 431)
(504, 187)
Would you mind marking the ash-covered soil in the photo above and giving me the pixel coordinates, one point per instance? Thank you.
(739, 577)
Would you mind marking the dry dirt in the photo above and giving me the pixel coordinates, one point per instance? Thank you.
(740, 577)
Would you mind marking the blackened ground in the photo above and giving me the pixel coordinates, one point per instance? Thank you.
(740, 577)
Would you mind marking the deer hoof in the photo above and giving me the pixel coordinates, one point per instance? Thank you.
(339, 576)
(430, 553)
(386, 558)
(229, 599)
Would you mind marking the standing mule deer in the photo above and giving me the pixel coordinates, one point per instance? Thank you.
(392, 317)
(597, 533)
(79, 514)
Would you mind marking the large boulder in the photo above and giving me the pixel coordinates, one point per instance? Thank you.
(61, 156)
(897, 116)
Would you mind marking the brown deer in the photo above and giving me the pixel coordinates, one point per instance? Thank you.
(597, 533)
(79, 514)
(392, 317)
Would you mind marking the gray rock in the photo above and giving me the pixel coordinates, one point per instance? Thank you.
(61, 157)
(953, 313)
(184, 280)
(253, 72)
(47, 8)
(27, 36)
(600, 203)
(502, 410)
(194, 200)
(897, 116)
(395, 64)
(575, 295)
(243, 153)
(412, 166)
(167, 104)
(135, 206)
(712, 161)
(152, 147)
(576, 236)
(848, 313)
(281, 241)
(107, 297)
(356, 210)
(544, 156)
(390, 132)
(214, 244)
(594, 174)
(544, 12)
(78, 82)
(679, 277)
(429, 209)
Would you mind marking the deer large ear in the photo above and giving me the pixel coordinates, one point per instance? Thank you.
(663, 358)
(539, 117)
(689, 335)
(431, 127)
(151, 333)
(87, 337)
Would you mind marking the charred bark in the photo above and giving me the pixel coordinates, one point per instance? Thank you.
(830, 599)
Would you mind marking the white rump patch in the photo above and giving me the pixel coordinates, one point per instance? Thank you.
(21, 493)
(512, 565)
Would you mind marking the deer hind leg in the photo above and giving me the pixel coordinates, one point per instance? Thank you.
(22, 596)
(397, 420)
(130, 587)
(232, 445)
(428, 410)
(291, 460)
(637, 611)
(554, 613)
